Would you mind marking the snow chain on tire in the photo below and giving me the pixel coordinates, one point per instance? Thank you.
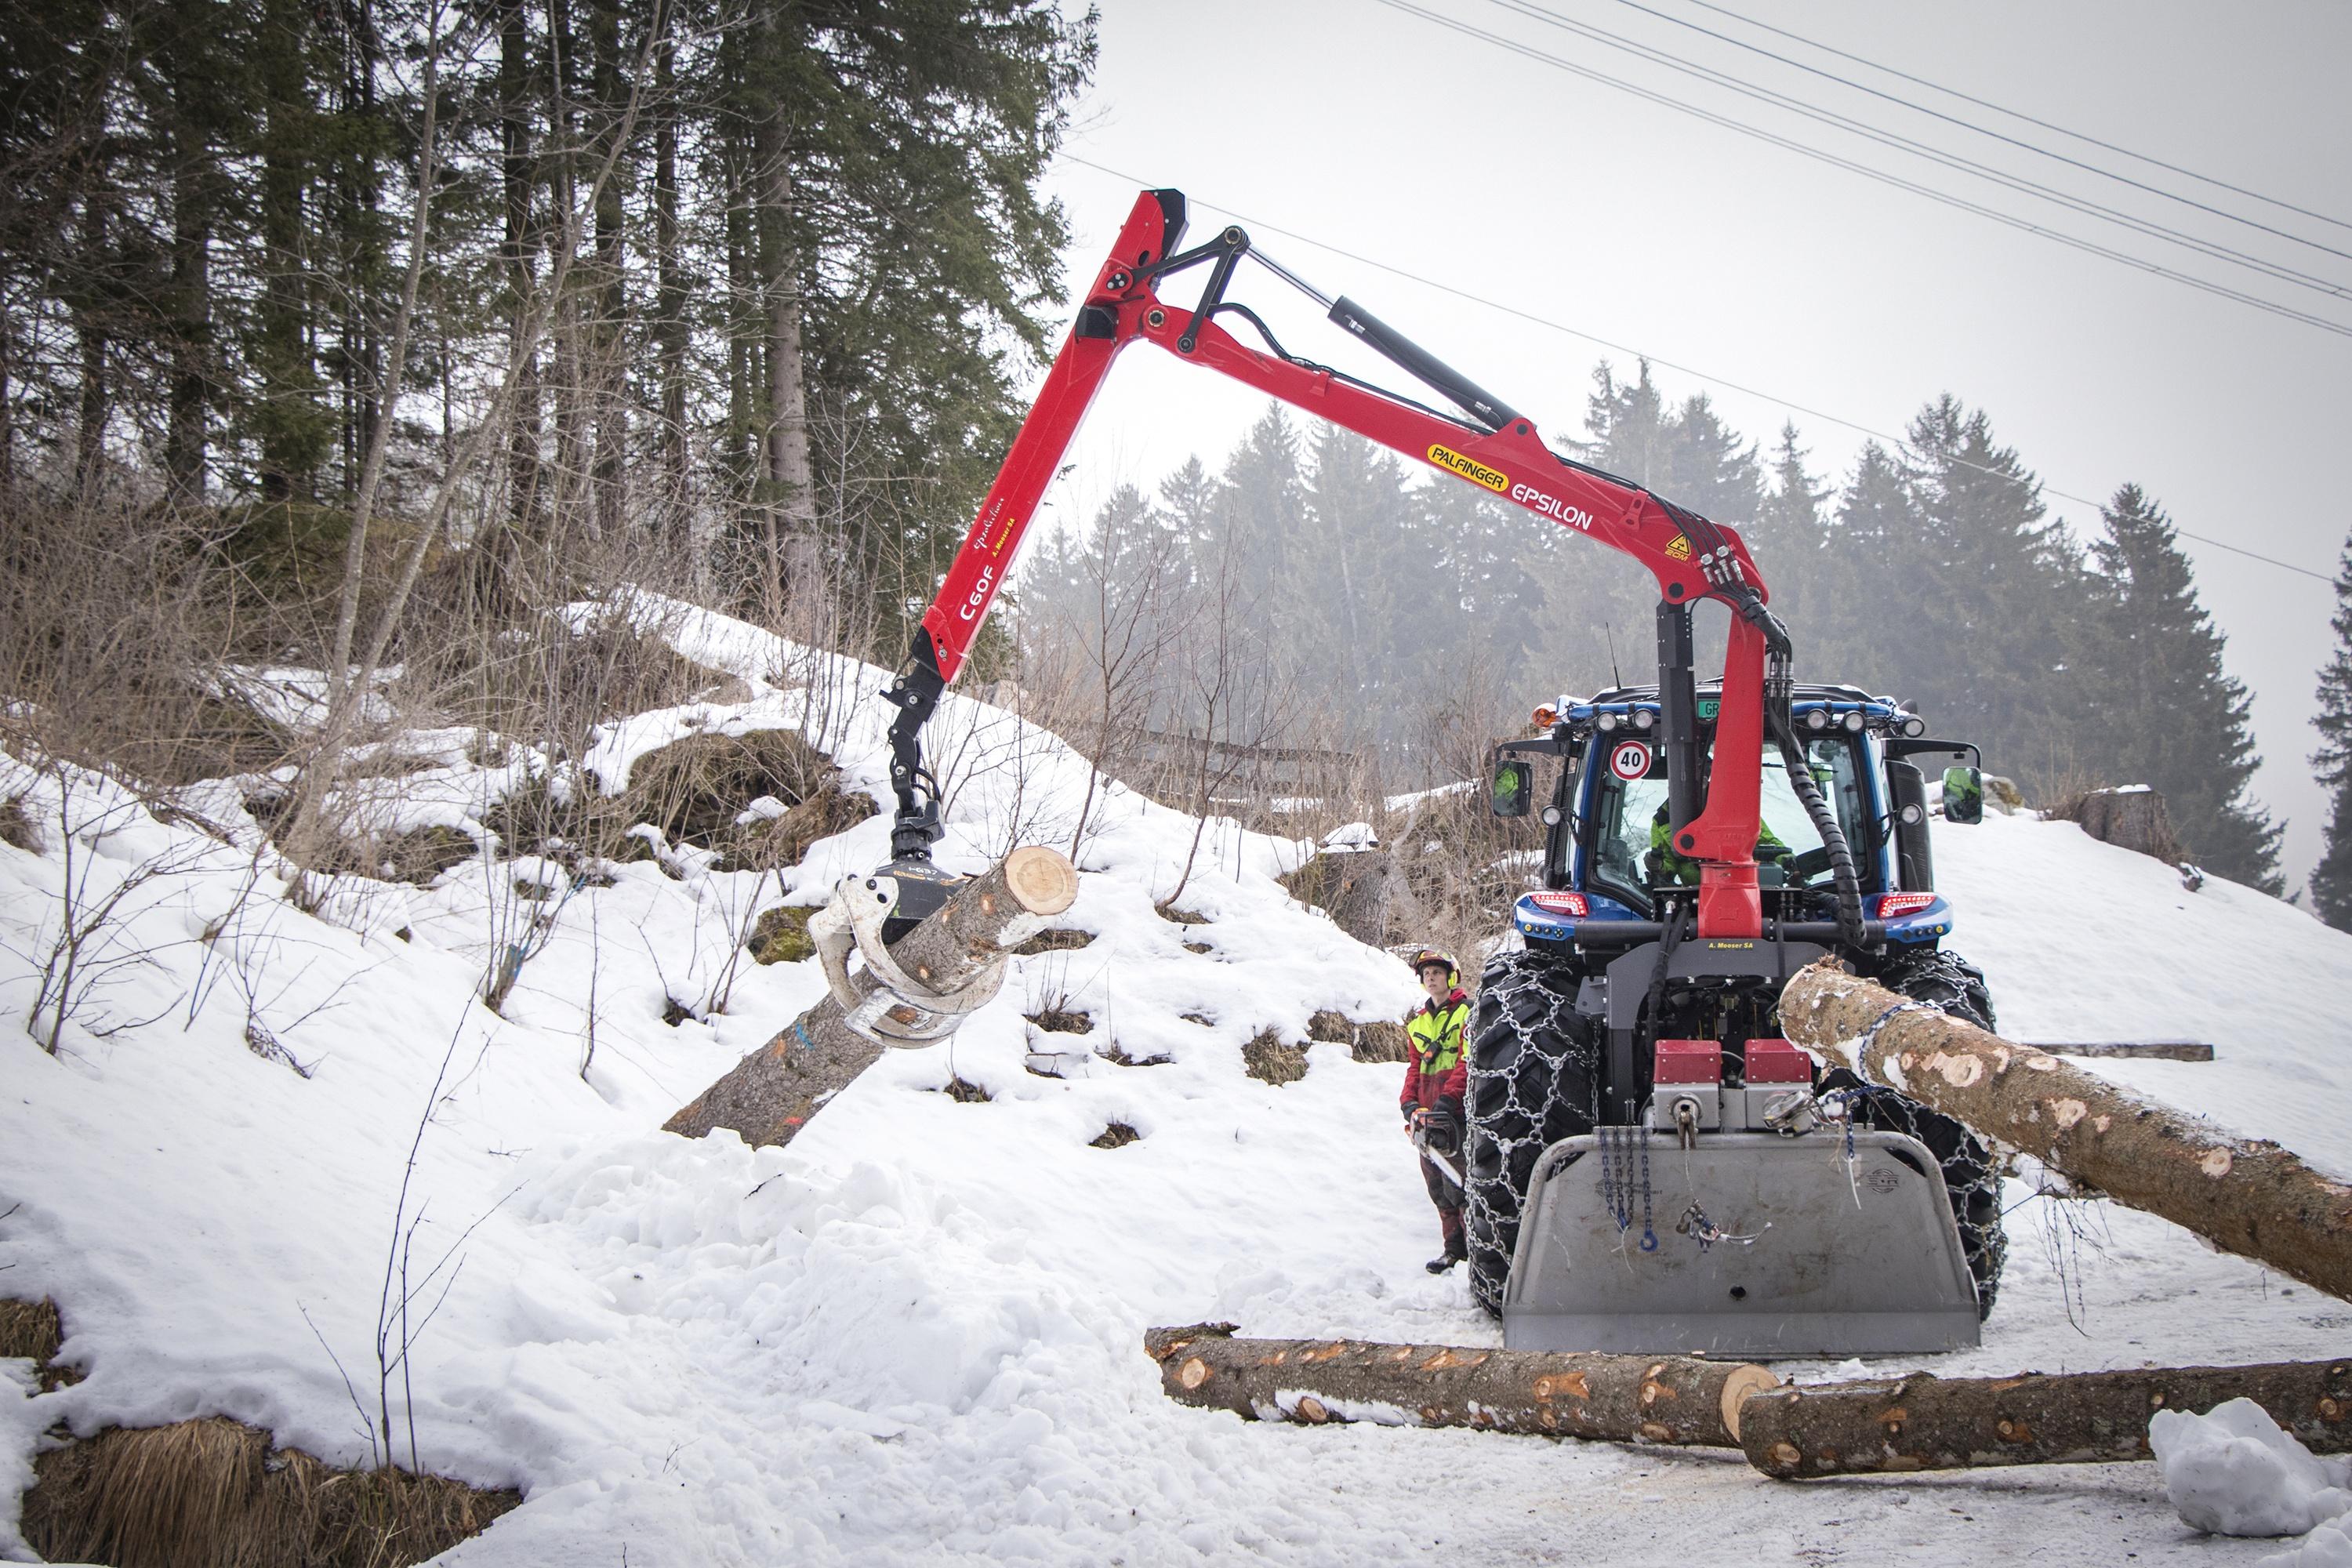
(1534, 1078)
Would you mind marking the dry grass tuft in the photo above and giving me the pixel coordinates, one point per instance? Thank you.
(965, 1092)
(1118, 1135)
(783, 841)
(1268, 1060)
(1116, 1054)
(30, 1329)
(1181, 917)
(1380, 1041)
(694, 789)
(1054, 941)
(215, 1492)
(1063, 1021)
(16, 829)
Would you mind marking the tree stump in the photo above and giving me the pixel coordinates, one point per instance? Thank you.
(771, 1094)
(1923, 1423)
(1547, 1393)
(1357, 888)
(2132, 817)
(2249, 1196)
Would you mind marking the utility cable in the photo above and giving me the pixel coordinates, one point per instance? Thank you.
(1138, 183)
(1901, 143)
(2021, 114)
(2017, 142)
(2008, 219)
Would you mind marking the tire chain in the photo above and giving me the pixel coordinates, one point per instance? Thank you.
(1533, 1079)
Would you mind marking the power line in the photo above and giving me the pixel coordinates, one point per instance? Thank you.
(2018, 142)
(1883, 137)
(2021, 115)
(1934, 154)
(2008, 219)
(1794, 407)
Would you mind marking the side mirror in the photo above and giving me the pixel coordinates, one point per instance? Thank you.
(1515, 787)
(1963, 795)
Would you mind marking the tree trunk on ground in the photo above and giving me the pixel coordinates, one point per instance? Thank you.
(2249, 1196)
(1546, 1393)
(2132, 818)
(769, 1095)
(1355, 888)
(1923, 1423)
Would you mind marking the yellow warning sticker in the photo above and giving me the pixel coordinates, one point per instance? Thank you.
(1678, 547)
(1476, 471)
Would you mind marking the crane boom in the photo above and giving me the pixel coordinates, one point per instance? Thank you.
(1488, 444)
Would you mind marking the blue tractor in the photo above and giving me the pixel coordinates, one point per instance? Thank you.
(1649, 1165)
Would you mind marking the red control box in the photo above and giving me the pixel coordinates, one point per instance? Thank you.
(1778, 1061)
(1688, 1061)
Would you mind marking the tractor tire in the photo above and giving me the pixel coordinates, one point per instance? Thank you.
(1971, 1170)
(1533, 1079)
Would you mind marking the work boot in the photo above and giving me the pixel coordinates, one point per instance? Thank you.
(1441, 1265)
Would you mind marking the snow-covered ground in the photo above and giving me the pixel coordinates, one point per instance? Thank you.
(915, 1336)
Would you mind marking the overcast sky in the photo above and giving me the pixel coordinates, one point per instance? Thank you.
(1414, 142)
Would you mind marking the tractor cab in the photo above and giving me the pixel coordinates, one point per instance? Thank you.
(1607, 851)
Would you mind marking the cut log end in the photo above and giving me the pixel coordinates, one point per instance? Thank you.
(1041, 880)
(1743, 1382)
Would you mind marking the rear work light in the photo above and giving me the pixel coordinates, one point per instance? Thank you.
(1891, 906)
(1571, 904)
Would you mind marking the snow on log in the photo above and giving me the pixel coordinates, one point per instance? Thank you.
(769, 1094)
(2247, 1197)
(1547, 1393)
(1924, 1423)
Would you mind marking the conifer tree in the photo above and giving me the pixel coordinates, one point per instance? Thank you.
(2331, 879)
(1790, 536)
(2153, 703)
(1979, 577)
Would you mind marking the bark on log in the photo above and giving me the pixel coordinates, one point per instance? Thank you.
(771, 1094)
(2249, 1196)
(1924, 1423)
(1618, 1398)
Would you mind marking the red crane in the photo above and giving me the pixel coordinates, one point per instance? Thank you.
(1487, 443)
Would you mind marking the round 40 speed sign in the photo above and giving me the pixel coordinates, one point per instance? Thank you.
(1629, 759)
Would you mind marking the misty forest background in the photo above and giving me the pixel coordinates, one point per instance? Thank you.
(361, 335)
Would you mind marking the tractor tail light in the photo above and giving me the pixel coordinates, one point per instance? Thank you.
(1893, 906)
(1572, 904)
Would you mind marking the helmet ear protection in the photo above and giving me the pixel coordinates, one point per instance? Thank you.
(1428, 956)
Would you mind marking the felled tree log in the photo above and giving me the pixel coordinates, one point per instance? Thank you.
(771, 1094)
(1619, 1398)
(2245, 1195)
(1924, 1423)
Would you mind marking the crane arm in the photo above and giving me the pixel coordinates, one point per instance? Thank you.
(1487, 443)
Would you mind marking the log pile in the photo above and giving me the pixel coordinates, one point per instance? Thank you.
(2249, 1196)
(1548, 1393)
(771, 1094)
